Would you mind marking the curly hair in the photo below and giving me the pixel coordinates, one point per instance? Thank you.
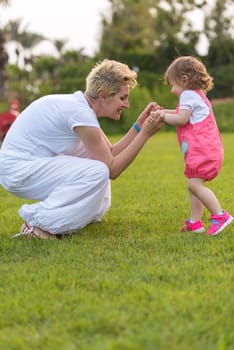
(190, 73)
(108, 76)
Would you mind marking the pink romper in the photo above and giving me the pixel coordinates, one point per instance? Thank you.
(201, 146)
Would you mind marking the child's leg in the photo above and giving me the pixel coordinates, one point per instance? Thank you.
(196, 208)
(197, 189)
(200, 197)
(194, 223)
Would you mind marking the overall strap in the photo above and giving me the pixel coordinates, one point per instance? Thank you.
(204, 97)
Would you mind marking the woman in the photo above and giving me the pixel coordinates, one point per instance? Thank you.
(57, 154)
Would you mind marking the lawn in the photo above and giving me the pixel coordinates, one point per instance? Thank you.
(132, 282)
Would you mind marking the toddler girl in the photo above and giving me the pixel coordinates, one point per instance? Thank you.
(199, 140)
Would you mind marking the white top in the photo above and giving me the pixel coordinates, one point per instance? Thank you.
(45, 128)
(192, 101)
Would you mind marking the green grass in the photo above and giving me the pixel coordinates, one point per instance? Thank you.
(131, 282)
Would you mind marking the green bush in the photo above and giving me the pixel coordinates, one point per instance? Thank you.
(223, 81)
(4, 106)
(224, 116)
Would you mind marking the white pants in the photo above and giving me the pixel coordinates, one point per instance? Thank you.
(72, 192)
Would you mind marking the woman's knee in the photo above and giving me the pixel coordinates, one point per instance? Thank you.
(102, 170)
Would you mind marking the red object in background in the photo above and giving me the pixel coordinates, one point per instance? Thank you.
(7, 118)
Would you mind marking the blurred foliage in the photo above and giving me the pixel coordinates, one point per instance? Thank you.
(145, 34)
(224, 81)
(224, 115)
(4, 106)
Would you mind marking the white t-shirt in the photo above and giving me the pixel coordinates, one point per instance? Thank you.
(45, 128)
(192, 101)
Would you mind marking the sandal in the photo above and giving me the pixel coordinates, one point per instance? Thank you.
(27, 231)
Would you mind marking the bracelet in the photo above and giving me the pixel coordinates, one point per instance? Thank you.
(136, 127)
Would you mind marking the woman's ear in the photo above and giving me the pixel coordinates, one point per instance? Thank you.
(101, 96)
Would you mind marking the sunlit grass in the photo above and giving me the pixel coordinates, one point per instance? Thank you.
(131, 282)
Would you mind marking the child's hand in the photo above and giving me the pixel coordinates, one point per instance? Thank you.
(157, 107)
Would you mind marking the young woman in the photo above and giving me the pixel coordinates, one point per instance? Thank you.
(56, 153)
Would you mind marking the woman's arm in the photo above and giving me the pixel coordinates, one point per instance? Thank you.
(98, 148)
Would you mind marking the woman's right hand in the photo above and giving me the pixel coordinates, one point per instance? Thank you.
(152, 106)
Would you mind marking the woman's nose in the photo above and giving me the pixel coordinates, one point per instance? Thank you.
(126, 103)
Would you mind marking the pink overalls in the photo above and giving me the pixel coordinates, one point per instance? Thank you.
(201, 146)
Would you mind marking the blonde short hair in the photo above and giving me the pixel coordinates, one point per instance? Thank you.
(190, 73)
(108, 76)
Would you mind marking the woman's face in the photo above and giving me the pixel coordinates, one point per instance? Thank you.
(113, 105)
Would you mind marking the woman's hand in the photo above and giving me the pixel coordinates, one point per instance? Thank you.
(158, 114)
(153, 123)
(153, 106)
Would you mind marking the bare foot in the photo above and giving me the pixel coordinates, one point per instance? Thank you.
(43, 234)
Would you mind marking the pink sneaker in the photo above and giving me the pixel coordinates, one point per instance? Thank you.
(218, 223)
(196, 226)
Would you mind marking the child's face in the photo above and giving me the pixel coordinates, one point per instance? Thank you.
(176, 89)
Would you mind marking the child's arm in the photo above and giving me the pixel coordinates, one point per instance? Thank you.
(170, 111)
(170, 117)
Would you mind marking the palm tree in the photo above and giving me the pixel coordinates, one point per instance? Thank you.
(3, 59)
(12, 33)
(25, 40)
(59, 44)
(28, 41)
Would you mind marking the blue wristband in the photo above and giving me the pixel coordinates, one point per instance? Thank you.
(136, 127)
